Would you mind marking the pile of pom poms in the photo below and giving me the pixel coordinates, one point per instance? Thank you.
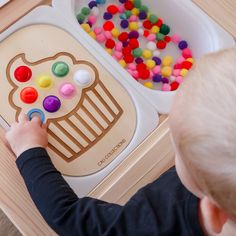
(124, 42)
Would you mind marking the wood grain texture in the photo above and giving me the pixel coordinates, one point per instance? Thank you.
(222, 11)
(6, 226)
(145, 164)
(9, 14)
(15, 200)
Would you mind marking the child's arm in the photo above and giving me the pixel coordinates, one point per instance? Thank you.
(56, 201)
(154, 210)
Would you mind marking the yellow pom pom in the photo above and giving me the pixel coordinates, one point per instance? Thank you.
(135, 11)
(150, 64)
(149, 85)
(190, 59)
(155, 29)
(93, 35)
(122, 63)
(166, 71)
(167, 61)
(115, 32)
(183, 72)
(86, 27)
(109, 50)
(133, 25)
(44, 81)
(147, 54)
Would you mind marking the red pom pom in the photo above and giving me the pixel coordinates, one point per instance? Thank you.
(174, 85)
(147, 24)
(29, 95)
(128, 58)
(108, 26)
(141, 66)
(129, 5)
(186, 65)
(110, 43)
(134, 43)
(146, 33)
(167, 39)
(144, 74)
(123, 36)
(159, 22)
(126, 50)
(23, 73)
(161, 44)
(177, 66)
(113, 9)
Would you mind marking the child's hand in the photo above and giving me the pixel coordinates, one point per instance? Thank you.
(26, 134)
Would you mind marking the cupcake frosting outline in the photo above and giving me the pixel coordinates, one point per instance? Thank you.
(16, 85)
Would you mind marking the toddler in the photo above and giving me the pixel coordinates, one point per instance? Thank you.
(199, 200)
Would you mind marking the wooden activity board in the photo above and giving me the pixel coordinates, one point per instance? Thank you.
(94, 118)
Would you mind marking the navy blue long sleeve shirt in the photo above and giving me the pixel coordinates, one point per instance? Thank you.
(163, 207)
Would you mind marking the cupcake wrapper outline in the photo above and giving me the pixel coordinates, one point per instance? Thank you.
(79, 130)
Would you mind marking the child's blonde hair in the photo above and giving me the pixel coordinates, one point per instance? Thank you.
(203, 125)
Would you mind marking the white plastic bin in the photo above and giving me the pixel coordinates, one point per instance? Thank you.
(184, 18)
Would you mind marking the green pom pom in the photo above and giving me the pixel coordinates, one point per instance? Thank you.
(137, 52)
(123, 16)
(137, 3)
(144, 8)
(86, 11)
(165, 29)
(160, 36)
(153, 18)
(60, 69)
(81, 17)
(128, 14)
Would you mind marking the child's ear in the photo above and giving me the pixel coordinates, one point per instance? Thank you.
(214, 218)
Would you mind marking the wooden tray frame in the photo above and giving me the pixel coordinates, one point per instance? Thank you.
(9, 15)
(153, 156)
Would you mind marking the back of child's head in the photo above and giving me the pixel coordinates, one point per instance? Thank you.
(203, 125)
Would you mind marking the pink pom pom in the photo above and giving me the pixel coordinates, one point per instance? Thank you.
(119, 46)
(186, 53)
(117, 55)
(134, 73)
(176, 72)
(133, 18)
(180, 60)
(175, 38)
(92, 19)
(179, 79)
(166, 87)
(121, 8)
(101, 38)
(132, 66)
(108, 34)
(156, 70)
(97, 30)
(151, 37)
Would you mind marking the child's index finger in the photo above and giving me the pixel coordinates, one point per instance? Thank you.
(23, 117)
(36, 120)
